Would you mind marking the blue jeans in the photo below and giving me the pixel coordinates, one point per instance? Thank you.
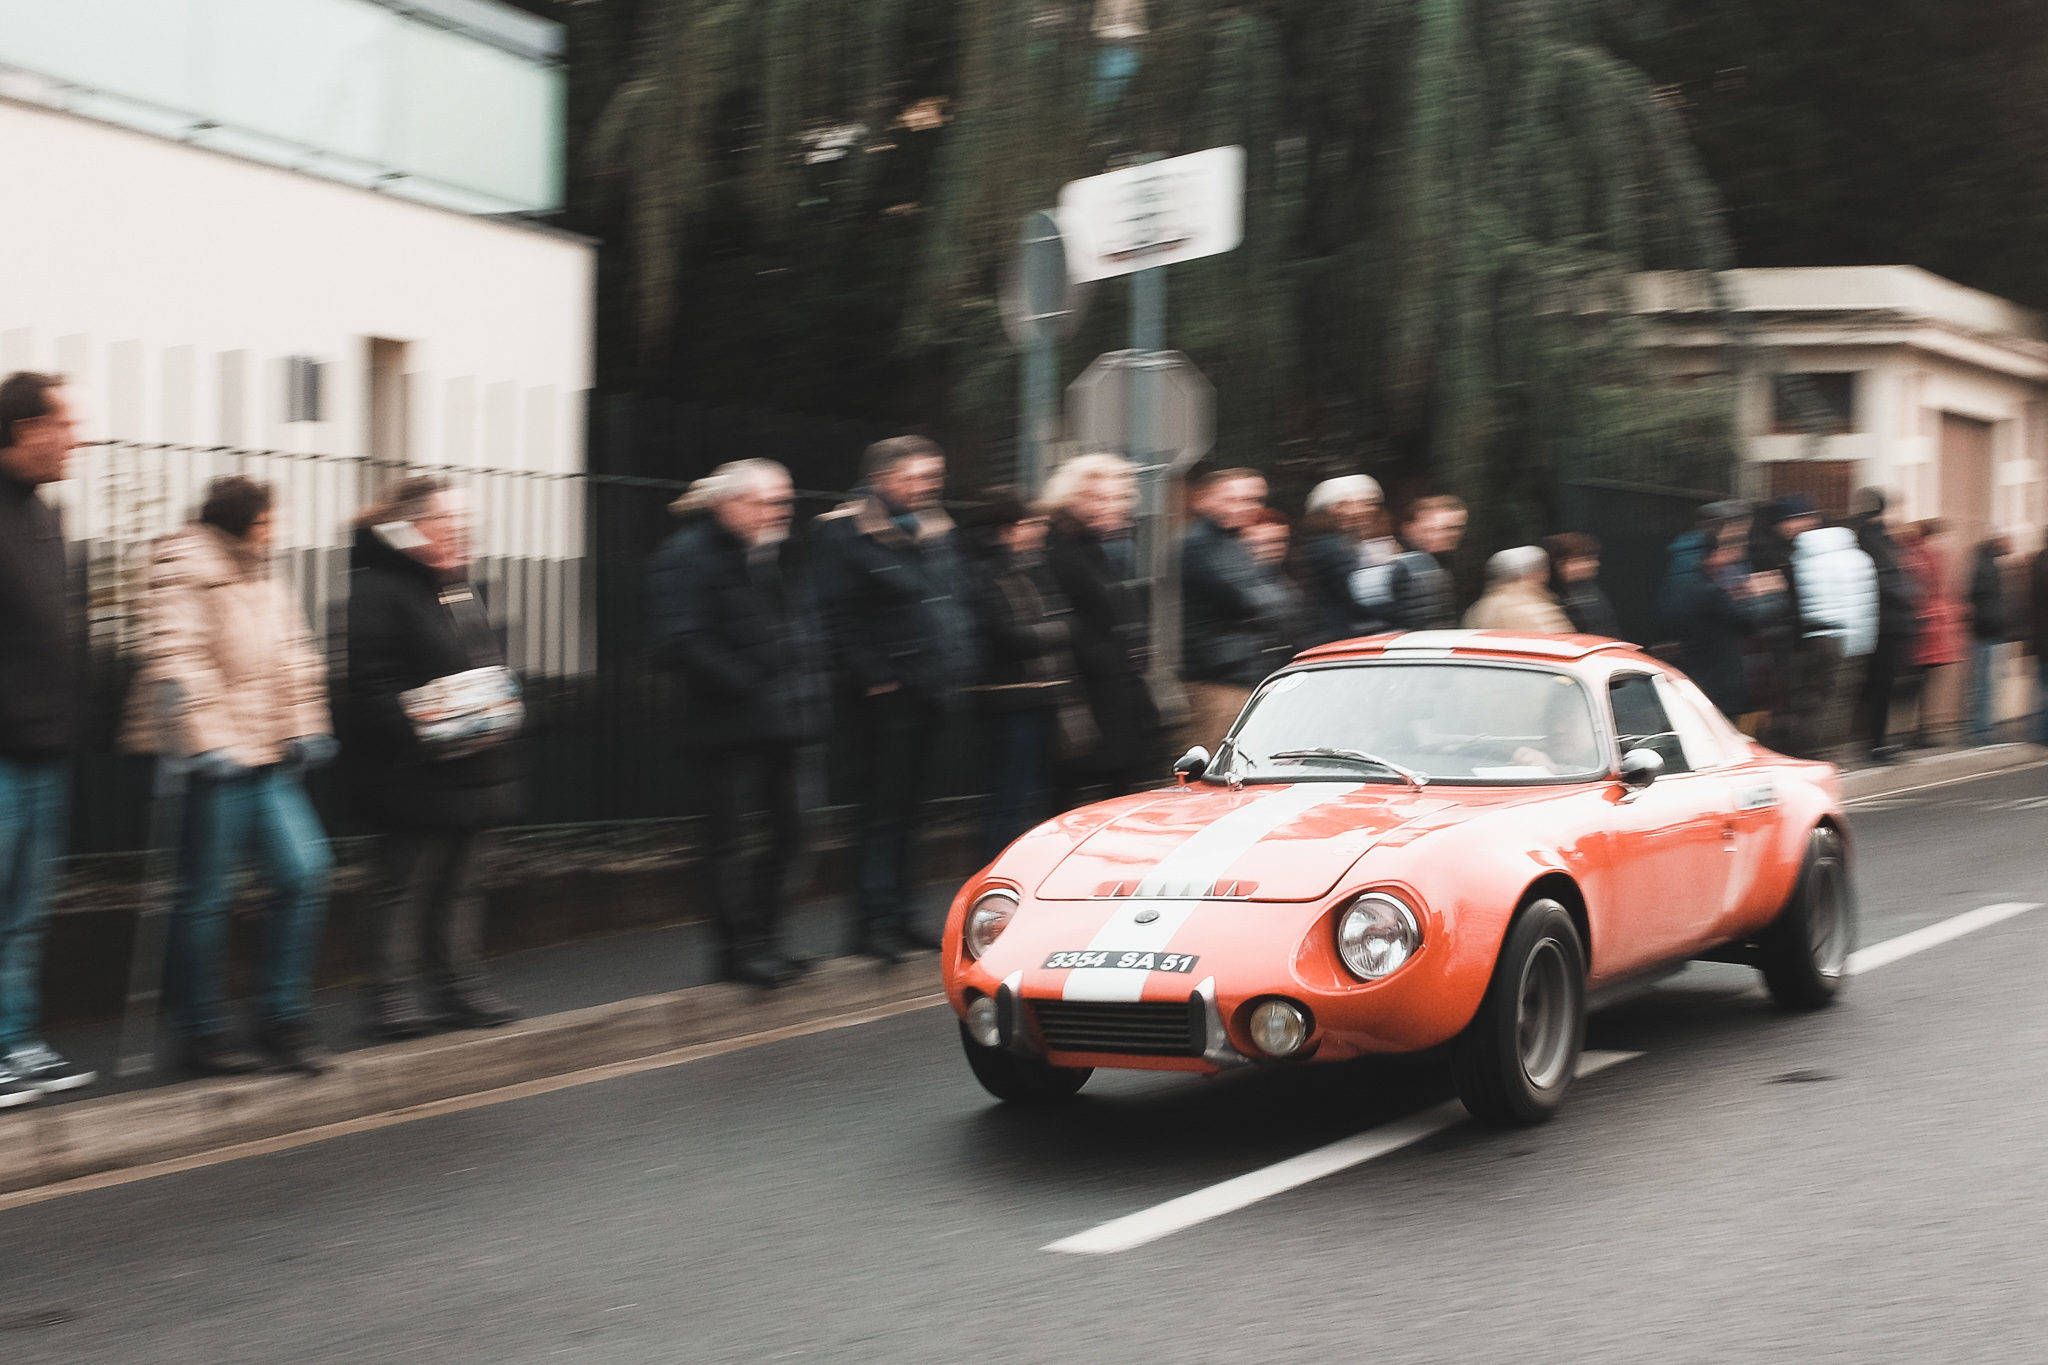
(33, 796)
(1983, 660)
(264, 813)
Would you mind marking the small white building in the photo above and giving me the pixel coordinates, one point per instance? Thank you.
(298, 226)
(1883, 376)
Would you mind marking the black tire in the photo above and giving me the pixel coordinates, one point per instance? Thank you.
(1021, 1080)
(1516, 1060)
(1804, 955)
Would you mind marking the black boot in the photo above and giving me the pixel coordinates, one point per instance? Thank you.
(213, 1054)
(392, 1015)
(289, 1045)
(474, 1006)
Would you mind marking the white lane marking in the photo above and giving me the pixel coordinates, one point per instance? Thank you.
(1121, 935)
(1934, 935)
(1149, 1225)
(1192, 869)
(1875, 797)
(1176, 1215)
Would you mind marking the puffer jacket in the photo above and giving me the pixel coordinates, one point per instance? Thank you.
(1519, 606)
(229, 639)
(1837, 588)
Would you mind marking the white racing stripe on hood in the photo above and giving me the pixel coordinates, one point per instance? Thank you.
(1186, 876)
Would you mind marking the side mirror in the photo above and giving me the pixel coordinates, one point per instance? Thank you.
(1639, 768)
(1192, 765)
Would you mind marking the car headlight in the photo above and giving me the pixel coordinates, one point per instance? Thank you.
(987, 919)
(984, 1021)
(1376, 934)
(1279, 1027)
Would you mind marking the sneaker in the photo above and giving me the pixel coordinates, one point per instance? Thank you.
(14, 1090)
(39, 1065)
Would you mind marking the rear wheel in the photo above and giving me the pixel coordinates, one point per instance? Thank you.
(1021, 1080)
(1517, 1059)
(1804, 955)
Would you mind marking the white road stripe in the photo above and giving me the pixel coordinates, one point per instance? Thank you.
(1175, 1215)
(1120, 934)
(1149, 1225)
(1934, 935)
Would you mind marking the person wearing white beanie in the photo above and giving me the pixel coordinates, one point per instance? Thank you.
(1342, 517)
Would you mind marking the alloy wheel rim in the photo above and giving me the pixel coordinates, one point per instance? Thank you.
(1543, 1015)
(1826, 936)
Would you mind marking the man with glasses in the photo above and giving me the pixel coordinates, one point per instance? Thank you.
(39, 688)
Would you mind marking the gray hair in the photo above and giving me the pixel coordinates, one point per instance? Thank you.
(1074, 477)
(728, 481)
(1346, 488)
(1512, 564)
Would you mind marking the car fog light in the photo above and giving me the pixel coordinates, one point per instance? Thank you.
(1376, 935)
(1279, 1027)
(987, 920)
(983, 1024)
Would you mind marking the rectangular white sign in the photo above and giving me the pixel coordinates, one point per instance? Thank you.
(1157, 214)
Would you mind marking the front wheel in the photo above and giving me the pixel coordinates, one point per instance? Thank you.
(1804, 955)
(1021, 1080)
(1517, 1059)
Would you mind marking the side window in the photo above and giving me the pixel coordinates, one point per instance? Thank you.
(1709, 740)
(1640, 721)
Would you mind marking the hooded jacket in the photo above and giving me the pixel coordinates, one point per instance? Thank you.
(1837, 588)
(405, 629)
(39, 683)
(232, 645)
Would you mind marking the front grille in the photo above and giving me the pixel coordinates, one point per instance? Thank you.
(1170, 1030)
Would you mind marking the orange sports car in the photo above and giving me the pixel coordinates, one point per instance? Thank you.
(1437, 837)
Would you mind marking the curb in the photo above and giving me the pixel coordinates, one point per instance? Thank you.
(1940, 767)
(41, 1146)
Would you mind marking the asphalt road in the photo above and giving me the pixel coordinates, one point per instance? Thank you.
(1866, 1184)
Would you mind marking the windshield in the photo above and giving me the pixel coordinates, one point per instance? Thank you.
(1468, 722)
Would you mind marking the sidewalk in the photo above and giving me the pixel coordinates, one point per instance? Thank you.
(590, 1002)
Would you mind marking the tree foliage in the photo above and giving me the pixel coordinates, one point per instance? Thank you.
(808, 203)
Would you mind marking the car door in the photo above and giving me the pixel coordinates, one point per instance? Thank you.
(1748, 790)
(1669, 869)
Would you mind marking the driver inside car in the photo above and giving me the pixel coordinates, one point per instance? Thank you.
(1569, 744)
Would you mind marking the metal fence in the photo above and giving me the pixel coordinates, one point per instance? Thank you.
(560, 564)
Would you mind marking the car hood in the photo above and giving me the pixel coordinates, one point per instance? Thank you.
(1264, 842)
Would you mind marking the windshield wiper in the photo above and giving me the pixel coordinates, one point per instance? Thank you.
(1408, 775)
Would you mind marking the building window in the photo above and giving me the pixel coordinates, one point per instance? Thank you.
(1813, 404)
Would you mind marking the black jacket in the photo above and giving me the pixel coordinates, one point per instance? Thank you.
(1027, 656)
(742, 632)
(1711, 627)
(39, 682)
(1326, 563)
(1108, 630)
(1588, 609)
(1989, 619)
(1231, 613)
(405, 630)
(892, 600)
(1898, 604)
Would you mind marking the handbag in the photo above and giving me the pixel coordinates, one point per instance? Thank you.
(467, 712)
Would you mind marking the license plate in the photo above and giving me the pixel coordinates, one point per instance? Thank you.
(1122, 961)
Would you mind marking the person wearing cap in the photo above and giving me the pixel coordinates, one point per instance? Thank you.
(1338, 539)
(1516, 597)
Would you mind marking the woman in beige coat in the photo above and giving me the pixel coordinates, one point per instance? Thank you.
(232, 691)
(1516, 598)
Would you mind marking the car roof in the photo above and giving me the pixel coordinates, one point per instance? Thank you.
(1475, 644)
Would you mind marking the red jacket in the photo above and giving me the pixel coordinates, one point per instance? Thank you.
(1940, 637)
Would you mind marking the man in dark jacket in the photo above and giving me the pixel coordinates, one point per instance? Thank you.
(1094, 564)
(889, 578)
(414, 619)
(1414, 590)
(1228, 605)
(1990, 628)
(1712, 623)
(731, 615)
(1897, 622)
(39, 688)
